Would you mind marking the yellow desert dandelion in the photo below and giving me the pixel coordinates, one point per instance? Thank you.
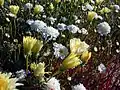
(77, 46)
(85, 56)
(37, 47)
(71, 61)
(28, 43)
(8, 83)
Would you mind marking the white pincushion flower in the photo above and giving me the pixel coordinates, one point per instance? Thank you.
(8, 83)
(103, 28)
(101, 68)
(61, 26)
(72, 28)
(37, 25)
(78, 87)
(28, 6)
(53, 84)
(60, 51)
(52, 32)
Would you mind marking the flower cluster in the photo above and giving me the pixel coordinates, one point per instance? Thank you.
(58, 44)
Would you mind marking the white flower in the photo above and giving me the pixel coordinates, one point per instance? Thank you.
(101, 68)
(28, 6)
(21, 74)
(72, 28)
(60, 51)
(61, 26)
(64, 19)
(117, 8)
(89, 7)
(103, 28)
(53, 84)
(78, 87)
(75, 17)
(98, 17)
(95, 49)
(77, 21)
(52, 20)
(30, 21)
(84, 31)
(8, 83)
(52, 32)
(37, 25)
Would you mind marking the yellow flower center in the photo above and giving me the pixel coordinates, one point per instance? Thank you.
(3, 84)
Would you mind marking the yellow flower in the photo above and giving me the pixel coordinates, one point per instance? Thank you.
(91, 15)
(51, 6)
(7, 83)
(99, 1)
(14, 9)
(57, 1)
(77, 46)
(105, 10)
(71, 61)
(38, 9)
(28, 43)
(39, 69)
(85, 56)
(37, 47)
(1, 2)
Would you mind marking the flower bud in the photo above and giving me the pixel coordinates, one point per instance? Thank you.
(51, 7)
(1, 2)
(28, 43)
(71, 61)
(91, 15)
(38, 9)
(57, 1)
(86, 56)
(37, 47)
(14, 9)
(105, 10)
(99, 1)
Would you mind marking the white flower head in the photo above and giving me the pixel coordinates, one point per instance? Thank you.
(52, 20)
(37, 25)
(101, 68)
(84, 31)
(60, 51)
(53, 84)
(103, 28)
(21, 74)
(52, 32)
(89, 7)
(78, 87)
(28, 6)
(72, 28)
(61, 26)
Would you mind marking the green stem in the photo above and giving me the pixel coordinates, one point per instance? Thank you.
(27, 64)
